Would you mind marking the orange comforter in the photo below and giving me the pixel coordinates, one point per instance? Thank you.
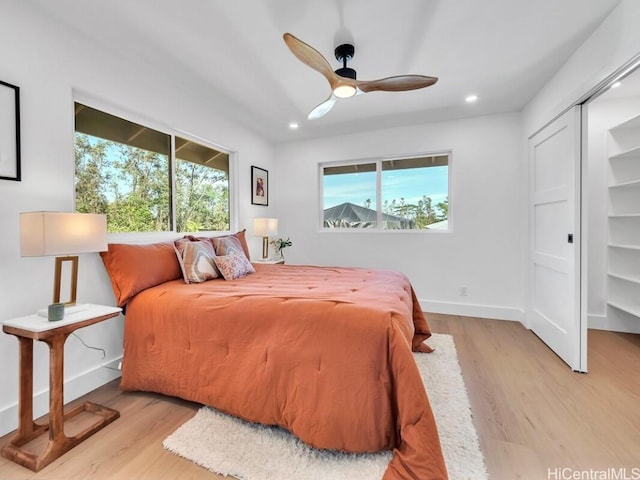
(323, 352)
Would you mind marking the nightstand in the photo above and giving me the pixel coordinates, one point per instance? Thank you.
(271, 261)
(34, 327)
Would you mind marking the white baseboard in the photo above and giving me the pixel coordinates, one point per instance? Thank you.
(613, 323)
(597, 322)
(73, 388)
(472, 310)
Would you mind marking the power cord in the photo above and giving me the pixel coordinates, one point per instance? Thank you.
(104, 353)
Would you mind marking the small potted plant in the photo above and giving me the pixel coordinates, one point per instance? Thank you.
(280, 244)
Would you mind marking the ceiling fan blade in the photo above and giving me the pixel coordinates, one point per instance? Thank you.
(400, 83)
(323, 108)
(311, 57)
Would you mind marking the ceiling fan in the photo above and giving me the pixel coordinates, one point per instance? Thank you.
(343, 81)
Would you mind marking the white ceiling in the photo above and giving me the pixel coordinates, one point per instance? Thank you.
(232, 50)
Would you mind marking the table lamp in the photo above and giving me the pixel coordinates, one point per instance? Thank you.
(265, 228)
(62, 234)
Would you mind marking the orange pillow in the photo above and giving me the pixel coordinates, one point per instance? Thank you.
(133, 268)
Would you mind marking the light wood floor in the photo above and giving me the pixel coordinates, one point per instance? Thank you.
(531, 412)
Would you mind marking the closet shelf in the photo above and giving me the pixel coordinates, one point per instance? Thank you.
(624, 215)
(630, 153)
(632, 183)
(626, 278)
(623, 289)
(625, 247)
(631, 309)
(633, 122)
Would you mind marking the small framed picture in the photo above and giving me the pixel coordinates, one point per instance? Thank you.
(9, 132)
(259, 186)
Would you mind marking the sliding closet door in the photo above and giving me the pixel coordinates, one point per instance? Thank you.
(554, 238)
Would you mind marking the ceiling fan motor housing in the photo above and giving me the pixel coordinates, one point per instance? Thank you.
(344, 53)
(346, 72)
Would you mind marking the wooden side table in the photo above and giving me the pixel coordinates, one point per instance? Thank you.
(34, 327)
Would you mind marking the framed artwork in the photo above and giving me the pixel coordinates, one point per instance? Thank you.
(9, 132)
(259, 186)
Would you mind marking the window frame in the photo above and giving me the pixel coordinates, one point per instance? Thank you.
(133, 117)
(378, 160)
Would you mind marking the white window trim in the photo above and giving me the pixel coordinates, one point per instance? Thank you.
(140, 237)
(378, 161)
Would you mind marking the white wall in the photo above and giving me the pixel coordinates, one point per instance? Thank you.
(49, 64)
(603, 115)
(484, 250)
(615, 42)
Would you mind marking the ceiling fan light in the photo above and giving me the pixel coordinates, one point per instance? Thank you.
(344, 91)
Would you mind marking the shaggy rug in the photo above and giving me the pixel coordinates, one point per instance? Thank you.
(230, 446)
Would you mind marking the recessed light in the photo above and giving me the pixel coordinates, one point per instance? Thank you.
(471, 98)
(293, 126)
(616, 84)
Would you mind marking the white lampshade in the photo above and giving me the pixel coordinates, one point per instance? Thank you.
(61, 233)
(265, 227)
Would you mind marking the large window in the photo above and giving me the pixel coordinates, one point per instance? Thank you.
(145, 180)
(409, 193)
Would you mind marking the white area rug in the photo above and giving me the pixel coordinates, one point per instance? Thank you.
(230, 446)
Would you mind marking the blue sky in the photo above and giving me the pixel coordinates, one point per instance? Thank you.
(410, 184)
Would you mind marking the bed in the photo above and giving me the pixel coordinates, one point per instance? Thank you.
(323, 352)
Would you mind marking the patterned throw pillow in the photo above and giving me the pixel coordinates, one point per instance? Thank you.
(234, 265)
(227, 246)
(240, 236)
(196, 260)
